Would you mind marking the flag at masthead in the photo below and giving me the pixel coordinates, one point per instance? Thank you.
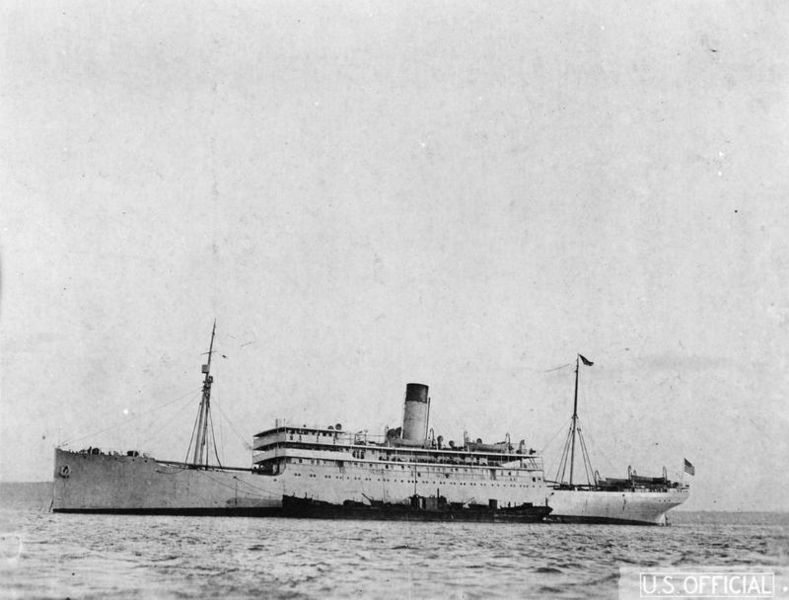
(585, 360)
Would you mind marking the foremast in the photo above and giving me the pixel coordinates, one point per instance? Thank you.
(200, 434)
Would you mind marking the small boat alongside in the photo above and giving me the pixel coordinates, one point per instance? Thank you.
(419, 508)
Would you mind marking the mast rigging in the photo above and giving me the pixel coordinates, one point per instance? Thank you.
(200, 433)
(568, 453)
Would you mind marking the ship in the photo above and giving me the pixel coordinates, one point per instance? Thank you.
(407, 473)
(632, 500)
(420, 508)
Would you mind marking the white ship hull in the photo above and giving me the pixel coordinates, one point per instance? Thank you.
(112, 483)
(123, 484)
(619, 507)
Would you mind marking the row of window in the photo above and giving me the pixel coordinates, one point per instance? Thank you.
(317, 461)
(389, 455)
(458, 483)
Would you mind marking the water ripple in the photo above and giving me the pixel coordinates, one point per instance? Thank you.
(94, 556)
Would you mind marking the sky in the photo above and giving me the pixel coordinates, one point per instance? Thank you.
(364, 195)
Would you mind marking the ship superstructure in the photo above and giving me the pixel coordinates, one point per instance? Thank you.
(403, 462)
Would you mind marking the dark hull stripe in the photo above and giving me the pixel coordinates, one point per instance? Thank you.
(314, 513)
(457, 516)
(185, 512)
(596, 520)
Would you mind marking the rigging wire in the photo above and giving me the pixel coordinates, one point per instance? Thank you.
(565, 456)
(213, 438)
(588, 393)
(221, 429)
(587, 460)
(583, 457)
(233, 429)
(599, 452)
(557, 368)
(194, 430)
(152, 434)
(127, 420)
(565, 447)
(558, 431)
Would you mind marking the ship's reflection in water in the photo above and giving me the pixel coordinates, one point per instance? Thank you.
(184, 557)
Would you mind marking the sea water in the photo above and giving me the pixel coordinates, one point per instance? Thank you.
(46, 555)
